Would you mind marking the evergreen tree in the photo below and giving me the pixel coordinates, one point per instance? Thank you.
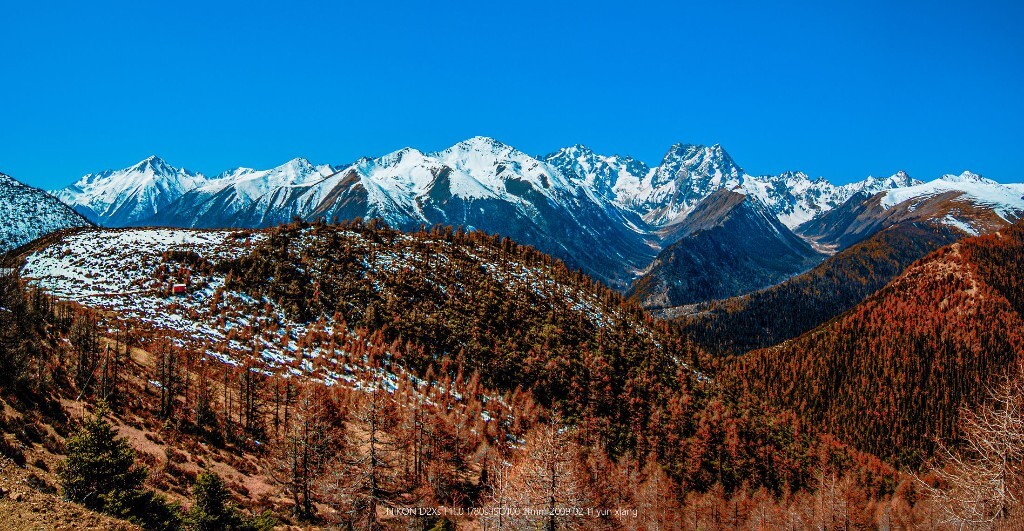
(99, 471)
(212, 509)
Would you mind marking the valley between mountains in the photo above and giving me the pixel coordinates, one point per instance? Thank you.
(477, 338)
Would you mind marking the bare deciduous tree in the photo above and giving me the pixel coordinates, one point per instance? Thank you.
(369, 475)
(980, 483)
(307, 448)
(549, 477)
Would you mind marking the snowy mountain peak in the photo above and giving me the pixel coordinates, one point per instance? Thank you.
(614, 178)
(967, 177)
(298, 162)
(248, 184)
(1004, 201)
(897, 180)
(155, 162)
(871, 184)
(797, 176)
(300, 171)
(481, 143)
(394, 158)
(700, 162)
(123, 197)
(573, 152)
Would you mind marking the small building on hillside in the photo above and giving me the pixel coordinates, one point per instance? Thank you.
(179, 289)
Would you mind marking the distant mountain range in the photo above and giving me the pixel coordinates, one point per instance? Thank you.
(614, 216)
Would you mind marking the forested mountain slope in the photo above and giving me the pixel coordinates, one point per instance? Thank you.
(890, 375)
(441, 303)
(787, 310)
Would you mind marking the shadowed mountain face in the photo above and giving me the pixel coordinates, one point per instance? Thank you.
(730, 244)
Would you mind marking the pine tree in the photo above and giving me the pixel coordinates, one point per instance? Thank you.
(549, 477)
(99, 471)
(984, 480)
(211, 511)
(168, 376)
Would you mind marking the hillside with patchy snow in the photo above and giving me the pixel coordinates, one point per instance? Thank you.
(282, 284)
(968, 202)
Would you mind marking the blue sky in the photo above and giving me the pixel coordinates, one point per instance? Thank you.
(841, 90)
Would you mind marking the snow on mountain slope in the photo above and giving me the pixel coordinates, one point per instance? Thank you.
(27, 213)
(794, 198)
(218, 201)
(666, 194)
(128, 272)
(1005, 200)
(89, 267)
(612, 177)
(487, 185)
(873, 185)
(967, 202)
(250, 184)
(124, 197)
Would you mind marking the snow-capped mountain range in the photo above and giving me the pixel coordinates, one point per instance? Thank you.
(605, 214)
(27, 213)
(666, 194)
(120, 197)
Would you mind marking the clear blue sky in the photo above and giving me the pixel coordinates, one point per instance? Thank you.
(843, 91)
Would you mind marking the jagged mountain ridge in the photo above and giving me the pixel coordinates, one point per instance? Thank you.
(219, 201)
(666, 194)
(26, 213)
(478, 184)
